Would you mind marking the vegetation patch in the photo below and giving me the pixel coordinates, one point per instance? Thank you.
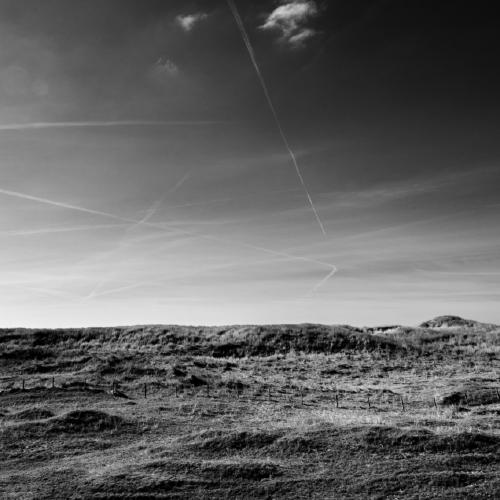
(86, 421)
(474, 395)
(253, 471)
(234, 441)
(420, 440)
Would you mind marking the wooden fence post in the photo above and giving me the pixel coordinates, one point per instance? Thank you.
(145, 391)
(53, 383)
(336, 400)
(498, 394)
(435, 403)
(369, 404)
(208, 390)
(402, 403)
(23, 384)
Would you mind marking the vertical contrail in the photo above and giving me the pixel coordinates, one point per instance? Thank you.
(251, 53)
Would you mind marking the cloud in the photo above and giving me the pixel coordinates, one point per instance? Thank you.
(188, 21)
(166, 67)
(291, 19)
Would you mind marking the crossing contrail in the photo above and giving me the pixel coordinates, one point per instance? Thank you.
(150, 213)
(251, 53)
(174, 229)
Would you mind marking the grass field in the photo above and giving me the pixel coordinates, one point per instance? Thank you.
(280, 411)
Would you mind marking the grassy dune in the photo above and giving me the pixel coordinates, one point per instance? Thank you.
(279, 411)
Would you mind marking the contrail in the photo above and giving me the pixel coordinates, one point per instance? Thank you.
(59, 204)
(157, 204)
(112, 123)
(324, 280)
(251, 52)
(51, 230)
(173, 229)
(144, 220)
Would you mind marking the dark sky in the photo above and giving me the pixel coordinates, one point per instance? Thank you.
(143, 178)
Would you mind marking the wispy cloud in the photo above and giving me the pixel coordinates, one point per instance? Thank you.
(291, 20)
(166, 67)
(188, 21)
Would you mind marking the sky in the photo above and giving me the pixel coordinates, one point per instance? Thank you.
(156, 169)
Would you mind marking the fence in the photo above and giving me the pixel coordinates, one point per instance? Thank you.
(381, 399)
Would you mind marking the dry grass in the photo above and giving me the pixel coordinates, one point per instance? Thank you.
(250, 412)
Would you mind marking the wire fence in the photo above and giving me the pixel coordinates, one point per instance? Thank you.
(366, 398)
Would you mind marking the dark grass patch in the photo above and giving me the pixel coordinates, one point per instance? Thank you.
(430, 485)
(300, 443)
(86, 421)
(28, 448)
(218, 441)
(74, 422)
(465, 396)
(222, 470)
(140, 485)
(196, 381)
(243, 470)
(452, 479)
(422, 440)
(49, 484)
(29, 353)
(58, 365)
(235, 385)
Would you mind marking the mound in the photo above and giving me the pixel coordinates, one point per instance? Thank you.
(208, 469)
(254, 471)
(298, 444)
(389, 437)
(234, 441)
(422, 440)
(448, 322)
(472, 395)
(86, 421)
(273, 339)
(464, 442)
(33, 414)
